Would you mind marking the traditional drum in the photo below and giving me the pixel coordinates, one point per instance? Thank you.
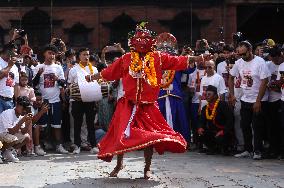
(88, 91)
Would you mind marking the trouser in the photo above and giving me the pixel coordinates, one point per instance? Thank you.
(5, 105)
(194, 118)
(78, 110)
(237, 126)
(274, 126)
(252, 125)
(282, 128)
(66, 124)
(215, 143)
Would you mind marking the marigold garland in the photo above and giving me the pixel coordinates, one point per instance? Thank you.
(167, 78)
(213, 114)
(146, 67)
(90, 67)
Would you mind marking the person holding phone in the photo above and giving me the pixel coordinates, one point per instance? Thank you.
(14, 126)
(9, 76)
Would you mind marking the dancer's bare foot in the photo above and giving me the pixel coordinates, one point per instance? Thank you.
(116, 171)
(147, 174)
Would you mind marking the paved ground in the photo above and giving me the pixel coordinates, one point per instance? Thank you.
(187, 170)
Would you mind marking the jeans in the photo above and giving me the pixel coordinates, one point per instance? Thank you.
(5, 105)
(78, 110)
(252, 125)
(99, 135)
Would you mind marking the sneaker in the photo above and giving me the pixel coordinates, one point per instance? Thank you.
(8, 155)
(94, 150)
(257, 156)
(39, 151)
(60, 149)
(76, 150)
(244, 154)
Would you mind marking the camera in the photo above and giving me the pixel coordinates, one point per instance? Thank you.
(62, 83)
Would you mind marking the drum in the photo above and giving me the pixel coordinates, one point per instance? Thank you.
(88, 91)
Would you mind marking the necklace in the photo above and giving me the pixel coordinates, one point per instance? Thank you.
(90, 67)
(145, 67)
(213, 113)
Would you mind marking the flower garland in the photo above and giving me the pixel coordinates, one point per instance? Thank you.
(167, 78)
(146, 67)
(90, 67)
(213, 114)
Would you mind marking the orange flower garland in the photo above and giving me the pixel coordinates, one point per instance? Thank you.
(213, 114)
(167, 79)
(147, 67)
(90, 67)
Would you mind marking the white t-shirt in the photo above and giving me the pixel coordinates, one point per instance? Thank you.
(194, 84)
(8, 120)
(7, 83)
(47, 85)
(273, 95)
(78, 72)
(281, 72)
(251, 75)
(215, 80)
(222, 71)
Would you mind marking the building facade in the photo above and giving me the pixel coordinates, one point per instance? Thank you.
(95, 23)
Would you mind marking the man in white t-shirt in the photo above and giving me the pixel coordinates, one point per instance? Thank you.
(273, 124)
(214, 79)
(254, 78)
(14, 126)
(194, 80)
(9, 76)
(79, 73)
(51, 77)
(223, 68)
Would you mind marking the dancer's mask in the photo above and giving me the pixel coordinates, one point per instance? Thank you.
(142, 40)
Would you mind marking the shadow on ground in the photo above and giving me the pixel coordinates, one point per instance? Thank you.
(106, 183)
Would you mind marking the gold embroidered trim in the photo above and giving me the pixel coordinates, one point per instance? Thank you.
(140, 146)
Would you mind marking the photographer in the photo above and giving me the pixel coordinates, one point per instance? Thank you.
(19, 38)
(14, 126)
(39, 109)
(9, 76)
(223, 68)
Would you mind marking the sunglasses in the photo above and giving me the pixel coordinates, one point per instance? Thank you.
(208, 67)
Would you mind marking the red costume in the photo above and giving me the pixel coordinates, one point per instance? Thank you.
(137, 122)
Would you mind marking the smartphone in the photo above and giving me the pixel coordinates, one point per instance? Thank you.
(34, 57)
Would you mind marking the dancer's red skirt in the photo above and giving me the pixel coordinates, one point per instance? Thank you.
(148, 128)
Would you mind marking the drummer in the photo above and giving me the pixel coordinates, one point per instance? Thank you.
(82, 70)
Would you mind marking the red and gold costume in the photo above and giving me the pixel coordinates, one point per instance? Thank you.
(137, 122)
